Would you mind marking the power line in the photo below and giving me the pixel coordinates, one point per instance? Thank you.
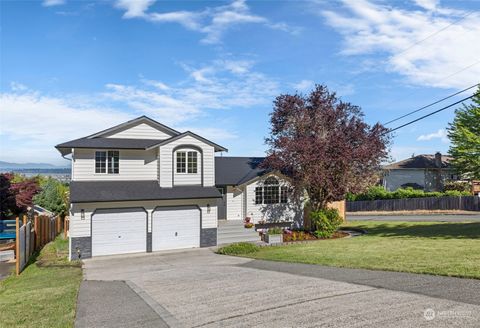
(429, 105)
(430, 114)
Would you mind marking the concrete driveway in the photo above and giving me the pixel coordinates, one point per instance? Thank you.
(201, 289)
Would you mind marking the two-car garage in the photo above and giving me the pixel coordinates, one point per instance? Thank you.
(123, 231)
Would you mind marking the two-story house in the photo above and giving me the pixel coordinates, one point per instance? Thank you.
(141, 186)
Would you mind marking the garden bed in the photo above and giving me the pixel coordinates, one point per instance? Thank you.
(300, 236)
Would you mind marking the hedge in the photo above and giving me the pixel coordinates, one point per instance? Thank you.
(378, 192)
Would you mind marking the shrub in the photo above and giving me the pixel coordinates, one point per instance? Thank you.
(325, 222)
(377, 192)
(275, 231)
(461, 186)
(238, 249)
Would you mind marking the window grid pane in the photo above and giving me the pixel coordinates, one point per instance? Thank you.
(258, 195)
(192, 162)
(113, 161)
(100, 162)
(283, 195)
(181, 162)
(271, 195)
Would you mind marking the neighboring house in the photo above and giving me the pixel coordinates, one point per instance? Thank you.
(426, 172)
(141, 187)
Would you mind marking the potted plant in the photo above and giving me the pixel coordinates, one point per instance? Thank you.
(274, 235)
(247, 223)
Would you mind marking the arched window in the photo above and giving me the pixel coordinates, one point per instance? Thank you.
(271, 192)
(271, 181)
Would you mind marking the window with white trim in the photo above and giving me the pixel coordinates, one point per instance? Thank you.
(271, 192)
(187, 162)
(181, 162)
(107, 161)
(192, 161)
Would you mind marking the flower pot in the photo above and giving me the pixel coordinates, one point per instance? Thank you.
(274, 239)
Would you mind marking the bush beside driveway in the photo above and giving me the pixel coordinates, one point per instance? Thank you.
(438, 248)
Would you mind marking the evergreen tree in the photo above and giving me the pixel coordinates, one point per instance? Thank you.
(53, 197)
(464, 134)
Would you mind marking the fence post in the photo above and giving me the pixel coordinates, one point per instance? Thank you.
(35, 228)
(17, 245)
(43, 231)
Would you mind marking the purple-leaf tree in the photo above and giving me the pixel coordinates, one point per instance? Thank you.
(324, 145)
(24, 191)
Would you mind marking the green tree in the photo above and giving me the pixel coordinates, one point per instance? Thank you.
(53, 197)
(464, 134)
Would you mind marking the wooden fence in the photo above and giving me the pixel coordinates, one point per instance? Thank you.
(32, 235)
(463, 203)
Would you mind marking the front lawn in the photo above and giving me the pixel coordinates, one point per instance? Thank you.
(450, 249)
(45, 294)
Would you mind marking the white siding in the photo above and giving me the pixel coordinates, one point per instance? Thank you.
(140, 131)
(235, 203)
(134, 165)
(291, 211)
(81, 228)
(180, 179)
(166, 161)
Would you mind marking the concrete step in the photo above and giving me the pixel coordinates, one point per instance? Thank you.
(223, 241)
(235, 229)
(230, 223)
(237, 233)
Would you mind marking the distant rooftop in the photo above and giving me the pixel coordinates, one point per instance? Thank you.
(424, 161)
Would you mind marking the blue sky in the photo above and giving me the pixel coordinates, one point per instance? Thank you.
(70, 68)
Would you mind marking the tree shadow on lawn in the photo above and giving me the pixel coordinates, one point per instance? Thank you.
(468, 230)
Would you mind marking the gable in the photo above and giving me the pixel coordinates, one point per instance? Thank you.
(140, 128)
(140, 131)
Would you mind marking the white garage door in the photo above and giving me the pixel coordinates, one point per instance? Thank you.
(175, 228)
(119, 231)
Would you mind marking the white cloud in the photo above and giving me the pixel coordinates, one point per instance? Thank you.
(165, 108)
(15, 86)
(440, 134)
(303, 85)
(212, 22)
(46, 120)
(51, 3)
(427, 4)
(426, 45)
(33, 124)
(226, 84)
(134, 8)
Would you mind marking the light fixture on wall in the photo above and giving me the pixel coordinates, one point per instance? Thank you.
(82, 214)
(208, 208)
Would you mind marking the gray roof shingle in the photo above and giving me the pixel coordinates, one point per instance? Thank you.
(424, 161)
(117, 143)
(110, 191)
(237, 170)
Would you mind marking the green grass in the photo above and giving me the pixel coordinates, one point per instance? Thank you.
(450, 249)
(238, 249)
(45, 294)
